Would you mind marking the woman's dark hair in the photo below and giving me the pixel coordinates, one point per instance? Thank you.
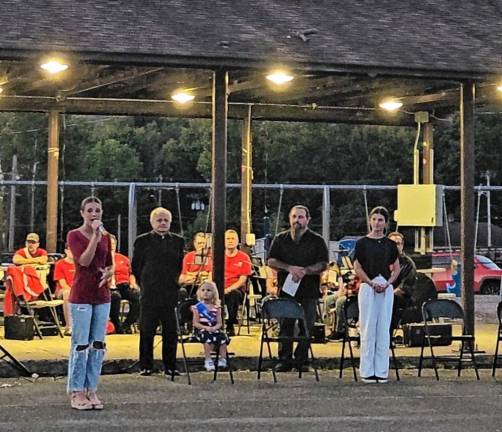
(90, 199)
(382, 211)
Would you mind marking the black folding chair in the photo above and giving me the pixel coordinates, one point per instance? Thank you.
(447, 311)
(499, 338)
(351, 320)
(184, 320)
(274, 310)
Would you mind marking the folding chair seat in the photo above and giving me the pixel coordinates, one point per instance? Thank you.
(184, 320)
(351, 319)
(446, 311)
(499, 338)
(274, 310)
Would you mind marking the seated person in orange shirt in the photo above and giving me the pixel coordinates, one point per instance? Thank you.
(197, 266)
(124, 287)
(64, 272)
(32, 253)
(237, 269)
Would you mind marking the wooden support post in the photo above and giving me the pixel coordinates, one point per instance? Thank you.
(52, 183)
(219, 176)
(428, 177)
(12, 205)
(326, 213)
(246, 176)
(132, 220)
(428, 154)
(467, 99)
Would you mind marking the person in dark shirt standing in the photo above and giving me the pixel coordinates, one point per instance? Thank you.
(302, 253)
(376, 263)
(156, 264)
(405, 282)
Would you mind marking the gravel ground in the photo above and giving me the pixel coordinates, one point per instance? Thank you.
(153, 403)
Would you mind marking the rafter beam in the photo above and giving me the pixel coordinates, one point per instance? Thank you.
(272, 112)
(107, 80)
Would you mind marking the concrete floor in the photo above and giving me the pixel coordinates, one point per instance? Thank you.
(49, 356)
(246, 345)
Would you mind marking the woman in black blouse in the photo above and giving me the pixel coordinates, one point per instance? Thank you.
(376, 263)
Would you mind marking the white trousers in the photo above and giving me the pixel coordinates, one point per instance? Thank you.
(375, 315)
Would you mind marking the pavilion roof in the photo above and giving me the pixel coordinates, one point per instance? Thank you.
(348, 54)
(431, 35)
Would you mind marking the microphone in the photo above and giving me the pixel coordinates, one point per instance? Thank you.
(101, 229)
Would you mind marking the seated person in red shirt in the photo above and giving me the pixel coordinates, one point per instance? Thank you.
(237, 269)
(31, 253)
(197, 266)
(64, 272)
(124, 287)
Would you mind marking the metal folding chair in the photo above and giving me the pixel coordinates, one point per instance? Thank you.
(184, 320)
(446, 311)
(45, 301)
(274, 310)
(243, 314)
(351, 320)
(30, 301)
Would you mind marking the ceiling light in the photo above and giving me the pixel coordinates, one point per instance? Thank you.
(182, 96)
(499, 87)
(280, 77)
(391, 104)
(1, 89)
(54, 66)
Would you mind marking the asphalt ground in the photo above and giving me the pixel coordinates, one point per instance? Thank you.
(133, 403)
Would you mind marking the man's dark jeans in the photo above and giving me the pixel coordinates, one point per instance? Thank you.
(233, 300)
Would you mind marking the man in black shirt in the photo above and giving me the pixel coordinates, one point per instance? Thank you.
(405, 282)
(156, 264)
(408, 274)
(302, 253)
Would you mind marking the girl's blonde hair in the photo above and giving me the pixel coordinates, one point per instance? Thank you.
(209, 284)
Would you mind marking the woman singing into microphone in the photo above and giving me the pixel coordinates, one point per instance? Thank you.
(376, 263)
(90, 305)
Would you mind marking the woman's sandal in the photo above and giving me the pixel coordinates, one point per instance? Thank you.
(80, 402)
(94, 401)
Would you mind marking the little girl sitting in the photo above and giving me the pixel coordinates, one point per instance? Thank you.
(207, 322)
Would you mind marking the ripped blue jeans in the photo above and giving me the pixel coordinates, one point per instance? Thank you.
(87, 345)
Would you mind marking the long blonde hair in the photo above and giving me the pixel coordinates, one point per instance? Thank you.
(209, 284)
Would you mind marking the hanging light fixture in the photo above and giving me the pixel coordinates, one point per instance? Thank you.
(280, 77)
(390, 104)
(182, 96)
(54, 66)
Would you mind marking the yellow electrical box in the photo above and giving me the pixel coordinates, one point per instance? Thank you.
(419, 205)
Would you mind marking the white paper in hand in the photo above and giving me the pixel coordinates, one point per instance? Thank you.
(290, 287)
